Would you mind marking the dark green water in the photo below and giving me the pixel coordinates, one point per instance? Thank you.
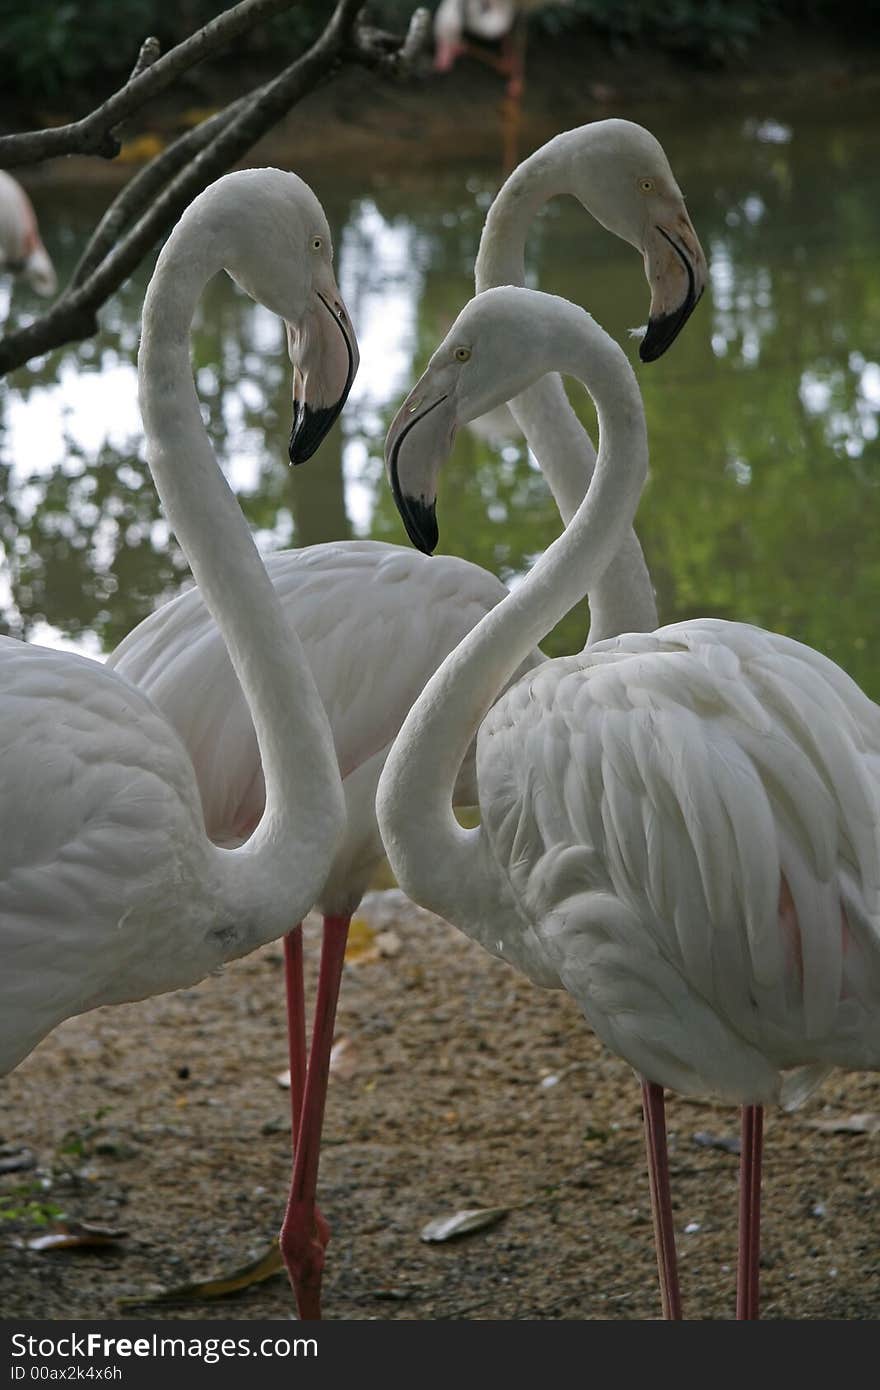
(764, 495)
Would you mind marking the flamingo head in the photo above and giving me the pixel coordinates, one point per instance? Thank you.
(620, 173)
(283, 257)
(501, 342)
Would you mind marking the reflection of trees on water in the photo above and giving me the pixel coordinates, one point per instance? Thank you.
(763, 420)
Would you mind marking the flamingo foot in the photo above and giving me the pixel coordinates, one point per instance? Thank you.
(303, 1241)
(661, 1198)
(749, 1213)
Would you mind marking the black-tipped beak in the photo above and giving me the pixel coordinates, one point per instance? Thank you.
(420, 519)
(312, 423)
(309, 428)
(418, 515)
(663, 329)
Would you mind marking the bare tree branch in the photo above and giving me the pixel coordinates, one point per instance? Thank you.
(395, 57)
(417, 40)
(382, 51)
(145, 187)
(150, 53)
(94, 133)
(183, 170)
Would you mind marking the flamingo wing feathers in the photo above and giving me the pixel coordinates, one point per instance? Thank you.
(375, 621)
(700, 798)
(100, 805)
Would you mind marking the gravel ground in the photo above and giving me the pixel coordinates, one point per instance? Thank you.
(458, 1085)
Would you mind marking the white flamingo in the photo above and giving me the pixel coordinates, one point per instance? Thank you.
(21, 249)
(500, 29)
(678, 827)
(111, 889)
(370, 643)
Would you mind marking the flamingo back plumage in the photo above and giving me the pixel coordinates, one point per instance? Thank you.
(375, 621)
(690, 819)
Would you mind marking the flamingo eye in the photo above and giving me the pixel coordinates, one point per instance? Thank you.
(646, 185)
(462, 354)
(317, 243)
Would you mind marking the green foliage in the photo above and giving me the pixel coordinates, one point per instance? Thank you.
(712, 30)
(28, 1205)
(77, 52)
(72, 52)
(48, 49)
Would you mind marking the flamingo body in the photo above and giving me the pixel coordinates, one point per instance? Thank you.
(488, 20)
(689, 820)
(106, 892)
(371, 647)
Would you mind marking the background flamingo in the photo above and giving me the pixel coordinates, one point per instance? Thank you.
(371, 644)
(679, 827)
(494, 32)
(21, 250)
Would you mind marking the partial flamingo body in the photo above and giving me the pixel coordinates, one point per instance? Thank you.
(21, 248)
(680, 828)
(493, 32)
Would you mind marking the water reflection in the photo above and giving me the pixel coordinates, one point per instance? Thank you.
(763, 502)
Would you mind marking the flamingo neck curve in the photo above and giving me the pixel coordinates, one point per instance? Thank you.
(623, 598)
(291, 850)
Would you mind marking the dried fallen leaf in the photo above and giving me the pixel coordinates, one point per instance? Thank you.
(76, 1235)
(849, 1124)
(462, 1223)
(16, 1160)
(343, 1059)
(361, 947)
(264, 1267)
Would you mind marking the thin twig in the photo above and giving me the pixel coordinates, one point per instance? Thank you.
(149, 53)
(93, 134)
(384, 52)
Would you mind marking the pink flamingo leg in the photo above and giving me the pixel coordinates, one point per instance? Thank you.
(513, 66)
(304, 1234)
(296, 1024)
(749, 1212)
(654, 1108)
(296, 1045)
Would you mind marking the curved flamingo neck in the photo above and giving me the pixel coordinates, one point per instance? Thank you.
(437, 862)
(304, 815)
(623, 598)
